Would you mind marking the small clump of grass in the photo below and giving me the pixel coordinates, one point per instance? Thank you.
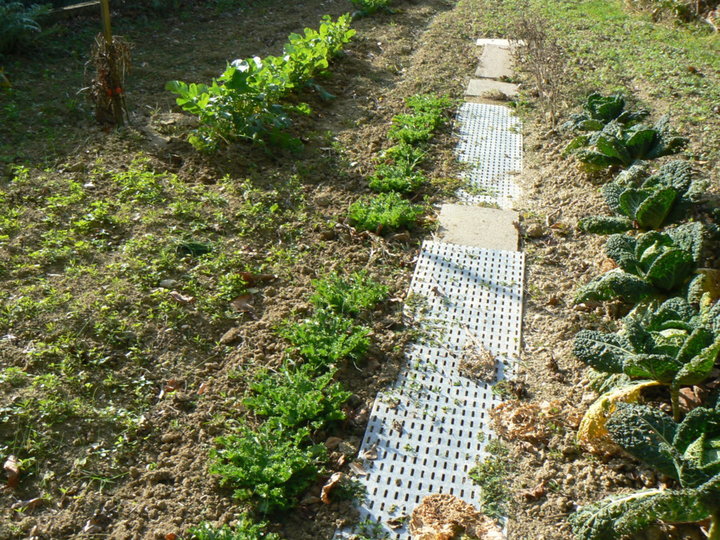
(491, 475)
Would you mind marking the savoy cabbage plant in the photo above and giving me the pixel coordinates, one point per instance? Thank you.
(599, 110)
(649, 202)
(670, 342)
(650, 264)
(619, 146)
(688, 451)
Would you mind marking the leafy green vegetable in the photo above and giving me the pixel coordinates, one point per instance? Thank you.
(296, 398)
(368, 7)
(648, 203)
(384, 212)
(396, 177)
(598, 110)
(245, 101)
(326, 338)
(245, 529)
(686, 451)
(618, 146)
(270, 467)
(649, 264)
(668, 342)
(620, 515)
(348, 294)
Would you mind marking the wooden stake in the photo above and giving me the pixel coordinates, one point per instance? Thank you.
(114, 79)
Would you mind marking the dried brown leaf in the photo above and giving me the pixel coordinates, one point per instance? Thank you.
(331, 484)
(243, 304)
(252, 279)
(12, 470)
(181, 298)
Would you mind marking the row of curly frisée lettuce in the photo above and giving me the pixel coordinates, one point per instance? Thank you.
(247, 100)
(671, 338)
(397, 174)
(273, 460)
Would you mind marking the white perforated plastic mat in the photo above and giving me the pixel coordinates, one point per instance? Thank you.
(428, 430)
(491, 144)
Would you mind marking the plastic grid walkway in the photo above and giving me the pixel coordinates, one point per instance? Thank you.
(491, 144)
(428, 430)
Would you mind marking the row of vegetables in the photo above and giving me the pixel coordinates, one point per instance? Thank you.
(248, 101)
(398, 177)
(668, 342)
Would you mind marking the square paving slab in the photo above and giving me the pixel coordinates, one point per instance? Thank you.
(492, 90)
(477, 226)
(495, 63)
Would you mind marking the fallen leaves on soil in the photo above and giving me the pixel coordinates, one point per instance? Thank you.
(444, 517)
(12, 470)
(331, 484)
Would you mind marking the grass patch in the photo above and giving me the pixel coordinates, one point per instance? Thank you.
(492, 477)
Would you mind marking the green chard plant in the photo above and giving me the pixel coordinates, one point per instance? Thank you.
(599, 110)
(688, 451)
(618, 146)
(651, 264)
(669, 342)
(647, 203)
(245, 101)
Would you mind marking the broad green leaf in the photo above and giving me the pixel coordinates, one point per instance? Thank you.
(604, 352)
(658, 367)
(671, 269)
(605, 224)
(694, 344)
(651, 212)
(699, 367)
(631, 199)
(612, 192)
(621, 248)
(615, 284)
(598, 521)
(646, 433)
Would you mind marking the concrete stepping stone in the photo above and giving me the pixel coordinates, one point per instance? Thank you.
(477, 226)
(491, 90)
(493, 41)
(495, 63)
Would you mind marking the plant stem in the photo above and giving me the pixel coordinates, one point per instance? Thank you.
(675, 399)
(714, 533)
